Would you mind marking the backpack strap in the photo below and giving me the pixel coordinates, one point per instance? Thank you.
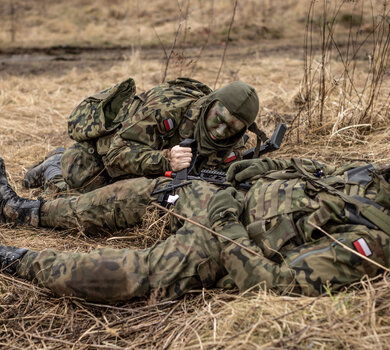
(276, 185)
(367, 209)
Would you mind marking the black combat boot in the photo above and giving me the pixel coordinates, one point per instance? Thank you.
(14, 209)
(10, 258)
(38, 174)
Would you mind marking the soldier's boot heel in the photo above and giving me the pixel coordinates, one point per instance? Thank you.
(14, 209)
(10, 258)
(38, 174)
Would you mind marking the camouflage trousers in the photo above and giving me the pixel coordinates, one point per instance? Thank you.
(183, 262)
(110, 208)
(193, 258)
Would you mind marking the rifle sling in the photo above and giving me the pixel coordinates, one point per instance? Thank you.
(260, 137)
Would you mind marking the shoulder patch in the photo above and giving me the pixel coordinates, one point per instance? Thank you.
(232, 156)
(362, 247)
(169, 124)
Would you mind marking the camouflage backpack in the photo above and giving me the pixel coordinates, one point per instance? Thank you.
(279, 198)
(101, 113)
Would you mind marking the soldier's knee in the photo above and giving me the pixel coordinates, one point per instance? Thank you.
(81, 166)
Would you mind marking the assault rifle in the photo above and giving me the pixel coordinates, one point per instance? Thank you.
(184, 177)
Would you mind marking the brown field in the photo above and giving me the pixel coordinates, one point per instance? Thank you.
(329, 81)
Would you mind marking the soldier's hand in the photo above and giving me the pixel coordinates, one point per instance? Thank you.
(225, 205)
(246, 169)
(180, 157)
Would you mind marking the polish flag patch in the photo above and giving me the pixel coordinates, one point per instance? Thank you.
(232, 156)
(362, 247)
(169, 124)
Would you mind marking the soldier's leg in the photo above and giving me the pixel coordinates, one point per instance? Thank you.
(102, 275)
(178, 265)
(113, 207)
(308, 268)
(186, 261)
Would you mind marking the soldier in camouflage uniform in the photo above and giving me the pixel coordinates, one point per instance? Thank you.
(120, 134)
(277, 219)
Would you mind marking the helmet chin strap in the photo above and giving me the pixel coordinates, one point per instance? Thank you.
(261, 137)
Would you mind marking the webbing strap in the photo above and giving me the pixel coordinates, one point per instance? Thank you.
(289, 194)
(260, 137)
(275, 197)
(375, 215)
(261, 200)
(354, 191)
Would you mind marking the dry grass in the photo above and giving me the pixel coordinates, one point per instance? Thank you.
(131, 22)
(37, 94)
(357, 319)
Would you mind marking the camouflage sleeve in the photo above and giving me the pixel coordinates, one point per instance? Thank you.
(224, 210)
(314, 167)
(137, 149)
(248, 269)
(127, 157)
(313, 267)
(241, 264)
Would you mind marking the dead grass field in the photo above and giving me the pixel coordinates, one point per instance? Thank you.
(53, 55)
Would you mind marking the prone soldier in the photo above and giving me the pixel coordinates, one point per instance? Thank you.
(275, 234)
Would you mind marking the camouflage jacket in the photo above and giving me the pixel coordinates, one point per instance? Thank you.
(279, 212)
(133, 133)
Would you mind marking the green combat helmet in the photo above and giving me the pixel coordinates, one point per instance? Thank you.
(242, 102)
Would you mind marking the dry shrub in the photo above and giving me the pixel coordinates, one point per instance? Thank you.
(345, 90)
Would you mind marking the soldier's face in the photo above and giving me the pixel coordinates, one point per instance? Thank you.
(220, 123)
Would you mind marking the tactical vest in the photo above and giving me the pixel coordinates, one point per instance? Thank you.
(282, 200)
